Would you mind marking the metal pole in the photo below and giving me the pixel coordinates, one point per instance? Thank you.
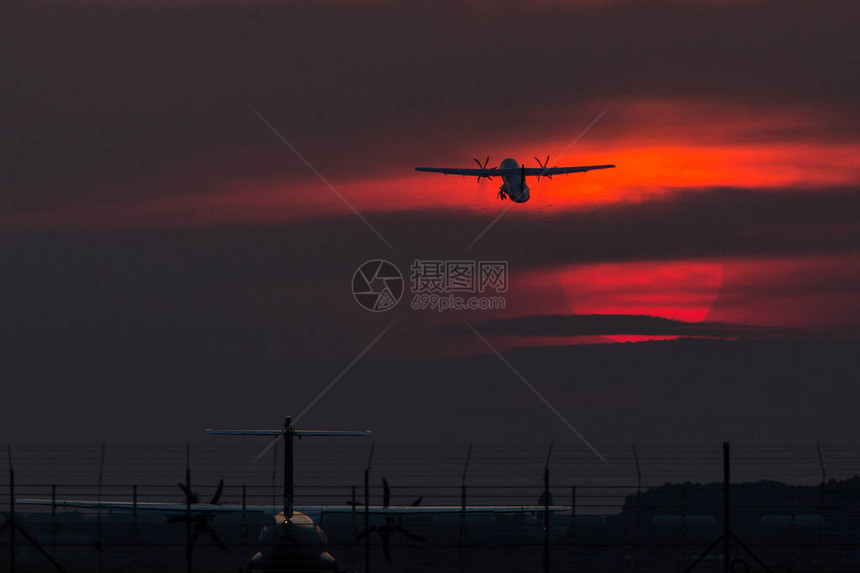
(14, 526)
(638, 505)
(289, 433)
(367, 510)
(352, 513)
(461, 553)
(546, 510)
(13, 521)
(244, 511)
(134, 526)
(683, 523)
(54, 515)
(821, 506)
(367, 520)
(188, 563)
(99, 513)
(726, 508)
(546, 519)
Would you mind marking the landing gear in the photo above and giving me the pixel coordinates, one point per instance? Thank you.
(502, 195)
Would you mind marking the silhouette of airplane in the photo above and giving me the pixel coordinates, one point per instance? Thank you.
(513, 175)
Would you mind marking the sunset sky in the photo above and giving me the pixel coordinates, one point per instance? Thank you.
(165, 250)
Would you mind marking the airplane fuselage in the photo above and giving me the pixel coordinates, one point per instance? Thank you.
(514, 184)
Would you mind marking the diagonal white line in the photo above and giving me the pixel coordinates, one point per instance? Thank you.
(538, 394)
(581, 135)
(321, 178)
(344, 371)
(490, 226)
(267, 448)
(559, 156)
(326, 389)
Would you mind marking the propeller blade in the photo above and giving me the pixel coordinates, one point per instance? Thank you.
(417, 501)
(217, 497)
(218, 541)
(190, 496)
(386, 493)
(482, 166)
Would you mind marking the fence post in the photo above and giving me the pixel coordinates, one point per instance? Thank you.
(638, 508)
(546, 520)
(461, 549)
(244, 512)
(99, 512)
(12, 523)
(726, 508)
(54, 515)
(821, 506)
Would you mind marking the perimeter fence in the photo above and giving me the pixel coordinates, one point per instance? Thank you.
(648, 508)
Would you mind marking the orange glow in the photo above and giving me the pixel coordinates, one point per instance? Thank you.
(658, 147)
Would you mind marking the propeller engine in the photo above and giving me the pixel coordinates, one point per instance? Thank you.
(199, 523)
(544, 165)
(484, 166)
(391, 525)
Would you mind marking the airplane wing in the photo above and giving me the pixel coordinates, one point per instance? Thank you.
(144, 506)
(544, 171)
(466, 172)
(431, 509)
(207, 508)
(529, 171)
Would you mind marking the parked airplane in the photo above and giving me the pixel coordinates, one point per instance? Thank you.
(513, 175)
(291, 535)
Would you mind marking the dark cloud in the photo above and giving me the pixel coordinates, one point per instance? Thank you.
(595, 324)
(193, 267)
(713, 223)
(668, 392)
(154, 333)
(285, 288)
